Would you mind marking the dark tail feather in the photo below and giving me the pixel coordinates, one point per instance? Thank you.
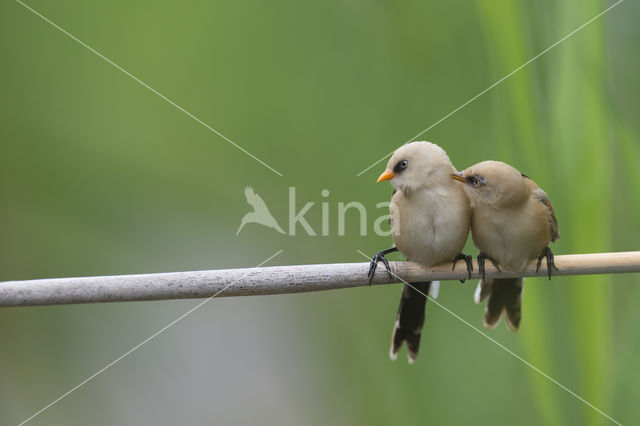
(504, 295)
(410, 319)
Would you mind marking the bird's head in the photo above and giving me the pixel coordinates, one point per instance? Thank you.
(416, 165)
(493, 184)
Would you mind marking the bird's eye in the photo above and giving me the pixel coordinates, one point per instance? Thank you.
(477, 181)
(400, 166)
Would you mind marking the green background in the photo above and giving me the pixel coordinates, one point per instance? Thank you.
(100, 176)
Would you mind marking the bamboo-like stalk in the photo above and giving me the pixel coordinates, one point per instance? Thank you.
(278, 280)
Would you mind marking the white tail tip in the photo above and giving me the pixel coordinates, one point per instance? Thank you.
(476, 295)
(434, 289)
(393, 355)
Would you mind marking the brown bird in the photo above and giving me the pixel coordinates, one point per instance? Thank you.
(512, 223)
(430, 219)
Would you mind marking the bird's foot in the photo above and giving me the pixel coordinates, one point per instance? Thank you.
(481, 259)
(550, 263)
(379, 257)
(467, 259)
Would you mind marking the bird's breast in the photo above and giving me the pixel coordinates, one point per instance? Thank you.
(511, 237)
(430, 227)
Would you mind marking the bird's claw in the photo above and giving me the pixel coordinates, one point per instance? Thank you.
(467, 259)
(550, 263)
(481, 259)
(379, 257)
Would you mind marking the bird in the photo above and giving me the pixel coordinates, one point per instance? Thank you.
(512, 223)
(260, 213)
(430, 219)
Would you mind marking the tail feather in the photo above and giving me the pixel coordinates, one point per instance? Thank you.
(482, 291)
(410, 319)
(503, 295)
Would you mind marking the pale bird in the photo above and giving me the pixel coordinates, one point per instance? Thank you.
(430, 219)
(512, 223)
(260, 213)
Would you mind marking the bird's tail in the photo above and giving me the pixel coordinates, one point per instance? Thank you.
(410, 319)
(503, 295)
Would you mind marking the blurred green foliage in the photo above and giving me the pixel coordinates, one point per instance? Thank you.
(100, 176)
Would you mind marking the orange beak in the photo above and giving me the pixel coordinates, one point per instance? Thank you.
(386, 175)
(459, 176)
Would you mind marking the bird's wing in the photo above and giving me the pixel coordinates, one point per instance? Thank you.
(544, 199)
(392, 194)
(551, 214)
(254, 200)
